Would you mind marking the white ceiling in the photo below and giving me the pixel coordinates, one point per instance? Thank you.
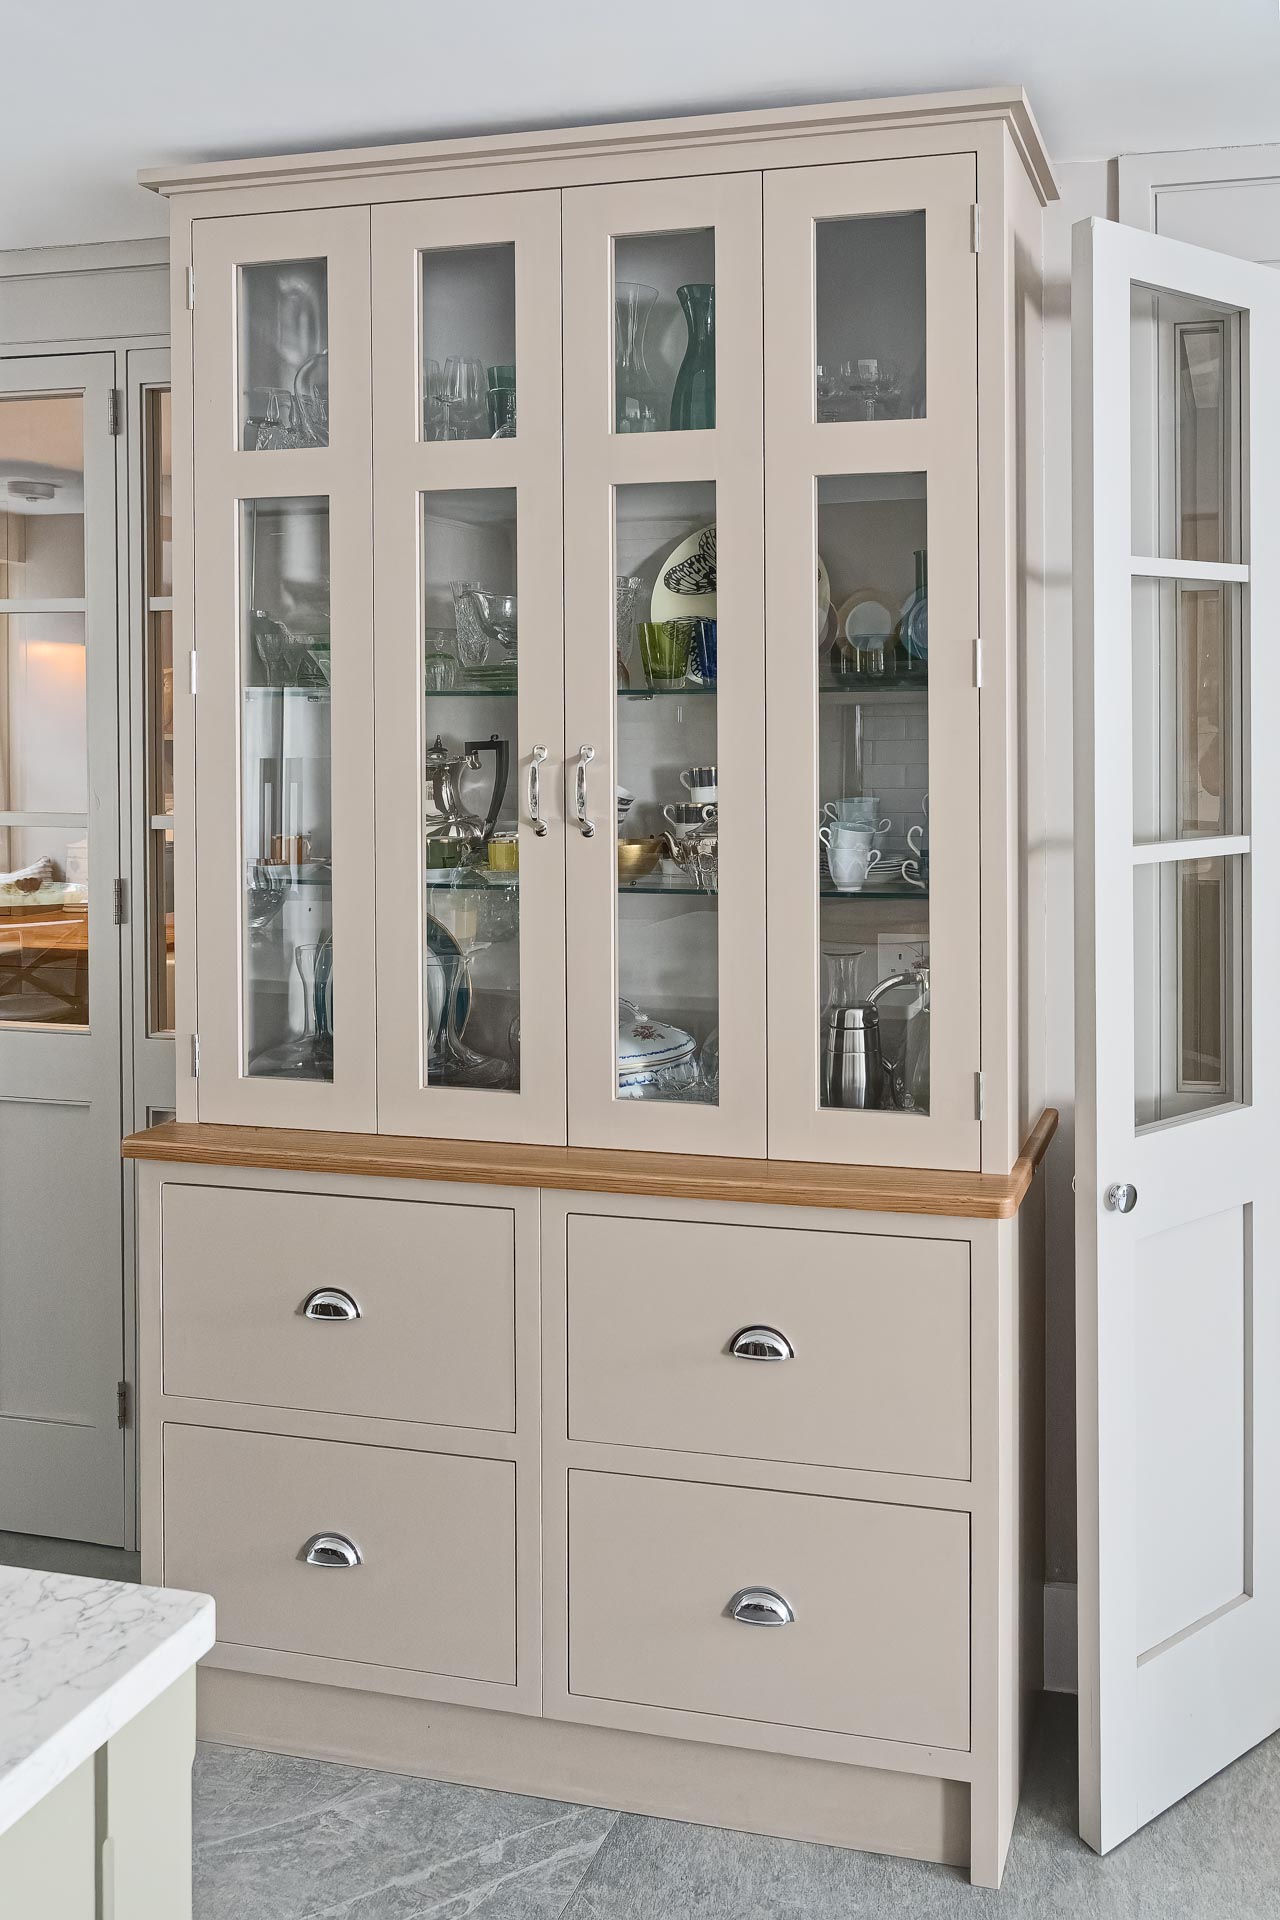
(96, 91)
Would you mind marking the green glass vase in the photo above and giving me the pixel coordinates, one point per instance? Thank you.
(693, 404)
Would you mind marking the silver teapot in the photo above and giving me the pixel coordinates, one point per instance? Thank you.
(450, 822)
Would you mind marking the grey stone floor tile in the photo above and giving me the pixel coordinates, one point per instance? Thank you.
(1214, 1857)
(284, 1839)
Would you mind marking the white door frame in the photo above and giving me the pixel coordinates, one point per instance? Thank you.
(1156, 1720)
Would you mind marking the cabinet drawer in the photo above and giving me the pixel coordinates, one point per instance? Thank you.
(878, 1327)
(435, 1589)
(879, 1644)
(434, 1285)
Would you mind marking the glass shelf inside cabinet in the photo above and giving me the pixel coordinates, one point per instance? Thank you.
(471, 1002)
(469, 343)
(286, 804)
(870, 304)
(284, 355)
(667, 659)
(664, 331)
(872, 841)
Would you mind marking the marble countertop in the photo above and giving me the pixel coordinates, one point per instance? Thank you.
(78, 1659)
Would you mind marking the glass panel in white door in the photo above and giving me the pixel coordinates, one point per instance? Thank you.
(284, 721)
(284, 355)
(1178, 797)
(872, 530)
(663, 666)
(469, 668)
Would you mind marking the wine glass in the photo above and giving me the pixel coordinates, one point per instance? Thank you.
(432, 401)
(466, 399)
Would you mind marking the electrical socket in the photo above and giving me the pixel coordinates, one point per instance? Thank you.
(896, 955)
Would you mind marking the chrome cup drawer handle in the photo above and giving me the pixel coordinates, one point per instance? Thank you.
(761, 1343)
(332, 1550)
(330, 1303)
(761, 1607)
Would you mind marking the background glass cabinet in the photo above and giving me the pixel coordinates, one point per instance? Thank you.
(511, 802)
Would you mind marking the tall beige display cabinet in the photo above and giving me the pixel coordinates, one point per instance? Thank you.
(590, 1293)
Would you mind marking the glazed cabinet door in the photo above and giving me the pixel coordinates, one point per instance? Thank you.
(871, 434)
(664, 741)
(469, 668)
(283, 670)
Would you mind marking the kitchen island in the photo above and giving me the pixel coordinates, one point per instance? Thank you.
(97, 1737)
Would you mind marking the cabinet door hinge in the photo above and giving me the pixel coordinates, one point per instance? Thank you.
(191, 289)
(979, 1098)
(977, 663)
(113, 410)
(119, 902)
(195, 1056)
(975, 228)
(124, 1410)
(195, 673)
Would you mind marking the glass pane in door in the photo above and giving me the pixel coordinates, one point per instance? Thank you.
(469, 343)
(44, 822)
(286, 810)
(870, 317)
(668, 923)
(664, 287)
(1186, 452)
(284, 355)
(1189, 987)
(872, 834)
(41, 496)
(470, 679)
(1187, 771)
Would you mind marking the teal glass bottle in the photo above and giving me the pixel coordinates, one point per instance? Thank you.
(693, 404)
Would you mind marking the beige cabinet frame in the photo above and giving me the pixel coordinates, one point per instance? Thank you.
(224, 476)
(406, 468)
(597, 462)
(943, 446)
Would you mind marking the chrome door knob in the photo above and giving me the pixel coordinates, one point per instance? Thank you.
(1121, 1198)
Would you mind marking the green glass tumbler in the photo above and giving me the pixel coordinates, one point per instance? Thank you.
(664, 648)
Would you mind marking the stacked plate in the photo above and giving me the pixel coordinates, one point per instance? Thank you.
(626, 801)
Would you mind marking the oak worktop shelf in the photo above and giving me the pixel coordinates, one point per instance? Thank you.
(965, 1196)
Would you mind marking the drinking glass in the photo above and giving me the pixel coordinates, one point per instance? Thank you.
(432, 401)
(664, 648)
(501, 401)
(627, 589)
(466, 407)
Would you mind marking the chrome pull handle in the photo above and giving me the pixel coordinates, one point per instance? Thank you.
(536, 821)
(585, 756)
(761, 1343)
(761, 1607)
(1122, 1197)
(330, 1303)
(332, 1550)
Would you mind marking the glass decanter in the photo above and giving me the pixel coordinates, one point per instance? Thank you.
(635, 395)
(693, 404)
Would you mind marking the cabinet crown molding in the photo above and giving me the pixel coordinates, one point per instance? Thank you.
(627, 137)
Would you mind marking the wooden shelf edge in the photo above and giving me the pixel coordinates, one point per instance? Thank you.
(793, 1183)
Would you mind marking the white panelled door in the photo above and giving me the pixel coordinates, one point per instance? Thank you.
(1177, 502)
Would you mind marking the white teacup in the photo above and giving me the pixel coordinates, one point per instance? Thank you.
(850, 864)
(835, 835)
(862, 811)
